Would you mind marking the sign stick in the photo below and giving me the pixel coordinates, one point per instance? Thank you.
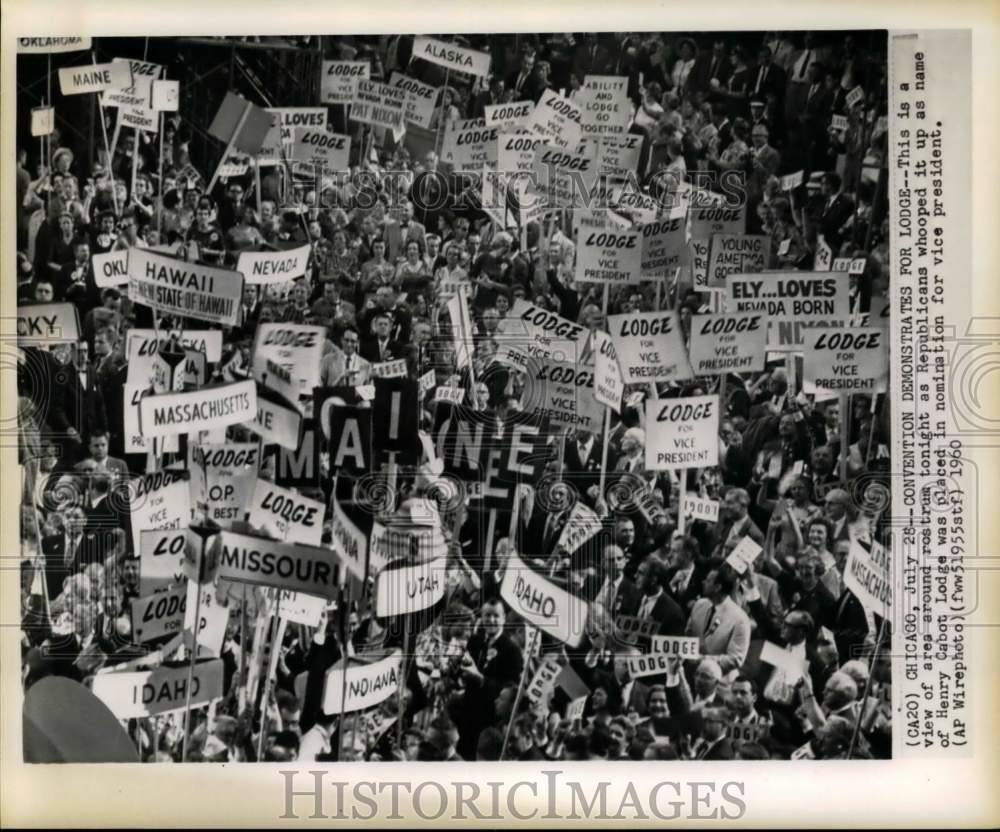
(194, 650)
(159, 184)
(402, 681)
(241, 699)
(491, 530)
(272, 668)
(115, 135)
(256, 184)
(48, 103)
(845, 414)
(344, 614)
(607, 410)
(439, 138)
(868, 684)
(681, 494)
(871, 430)
(135, 164)
(104, 133)
(513, 710)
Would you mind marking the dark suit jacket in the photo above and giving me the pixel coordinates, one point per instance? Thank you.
(402, 322)
(721, 750)
(531, 537)
(832, 218)
(502, 667)
(702, 74)
(773, 83)
(668, 615)
(583, 474)
(511, 84)
(370, 351)
(849, 625)
(692, 592)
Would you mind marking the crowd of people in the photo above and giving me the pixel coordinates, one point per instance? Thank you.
(378, 280)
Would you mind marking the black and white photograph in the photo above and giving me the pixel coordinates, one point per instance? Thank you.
(481, 397)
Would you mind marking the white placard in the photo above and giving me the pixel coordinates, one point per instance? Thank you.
(133, 695)
(682, 433)
(187, 289)
(296, 348)
(299, 568)
(161, 500)
(543, 604)
(744, 554)
(609, 384)
(727, 343)
(558, 119)
(339, 81)
(47, 323)
(451, 56)
(409, 589)
(273, 266)
(287, 515)
(199, 410)
(609, 256)
(366, 685)
(850, 360)
(77, 80)
(650, 346)
(790, 296)
(161, 559)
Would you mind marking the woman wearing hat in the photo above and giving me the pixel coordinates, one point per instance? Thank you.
(683, 65)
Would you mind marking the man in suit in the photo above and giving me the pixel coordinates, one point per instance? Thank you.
(541, 534)
(492, 660)
(768, 83)
(249, 309)
(837, 209)
(591, 57)
(401, 320)
(836, 505)
(722, 627)
(734, 523)
(713, 743)
(799, 76)
(380, 347)
(610, 587)
(539, 81)
(345, 367)
(656, 604)
(518, 81)
(711, 71)
(399, 232)
(582, 458)
(684, 575)
(97, 445)
(815, 116)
